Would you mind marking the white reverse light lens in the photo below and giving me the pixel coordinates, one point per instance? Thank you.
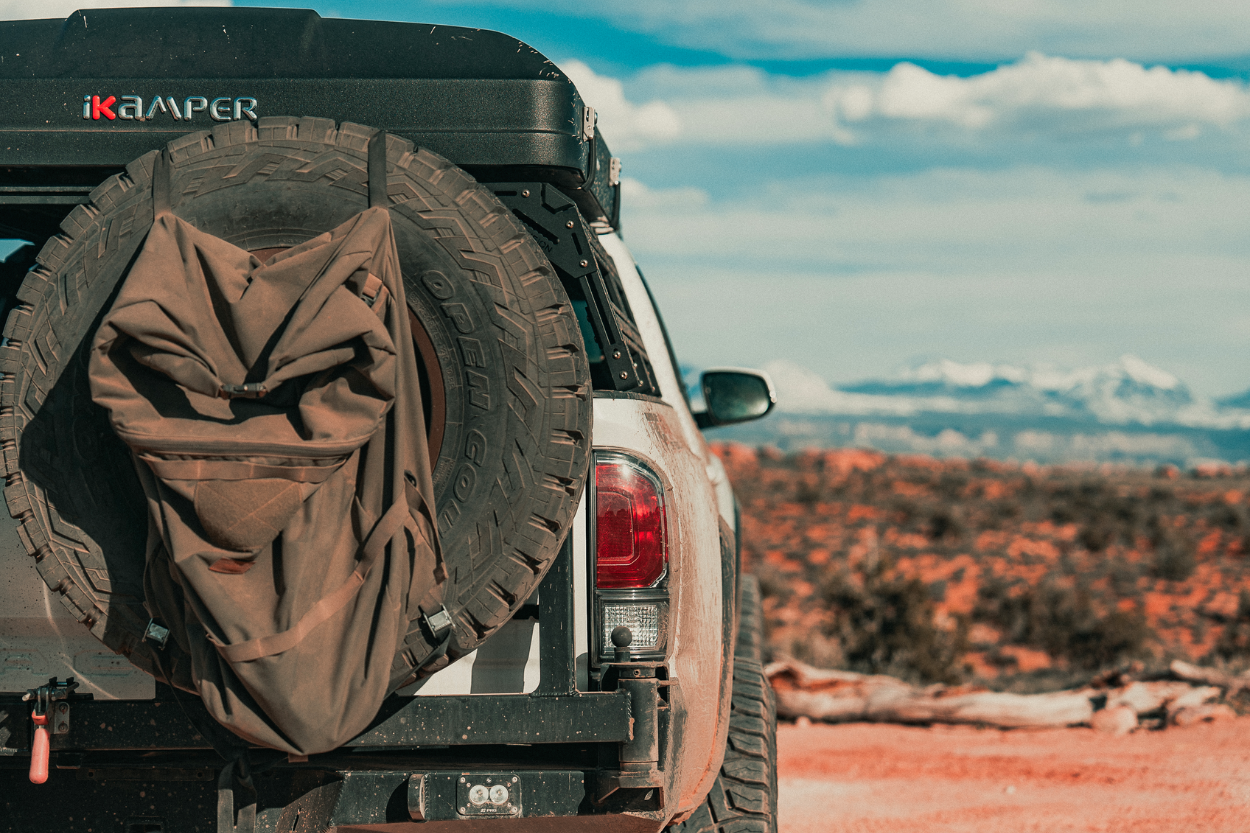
(643, 621)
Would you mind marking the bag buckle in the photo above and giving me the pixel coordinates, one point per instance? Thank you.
(251, 390)
(372, 290)
(437, 622)
(156, 633)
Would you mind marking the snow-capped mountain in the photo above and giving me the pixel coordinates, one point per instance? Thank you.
(1127, 392)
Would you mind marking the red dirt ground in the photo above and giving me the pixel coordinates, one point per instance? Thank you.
(867, 778)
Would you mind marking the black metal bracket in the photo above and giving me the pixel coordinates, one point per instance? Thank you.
(561, 232)
(51, 700)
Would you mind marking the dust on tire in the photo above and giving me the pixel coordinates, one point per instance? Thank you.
(743, 798)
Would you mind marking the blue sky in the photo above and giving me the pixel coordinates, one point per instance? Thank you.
(857, 186)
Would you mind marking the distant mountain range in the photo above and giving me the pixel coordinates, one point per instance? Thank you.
(1128, 411)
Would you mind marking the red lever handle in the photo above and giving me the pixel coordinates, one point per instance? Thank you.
(39, 750)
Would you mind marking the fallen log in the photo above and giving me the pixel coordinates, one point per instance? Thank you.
(844, 696)
(1210, 676)
(991, 708)
(1147, 697)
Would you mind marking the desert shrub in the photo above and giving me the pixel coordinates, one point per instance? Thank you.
(818, 650)
(1232, 519)
(951, 485)
(808, 492)
(1063, 512)
(999, 606)
(885, 625)
(1173, 558)
(906, 514)
(945, 524)
(1234, 643)
(1007, 509)
(1160, 494)
(773, 582)
(1123, 575)
(1062, 621)
(1096, 536)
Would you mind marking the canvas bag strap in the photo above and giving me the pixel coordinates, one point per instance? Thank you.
(266, 646)
(202, 469)
(377, 170)
(161, 184)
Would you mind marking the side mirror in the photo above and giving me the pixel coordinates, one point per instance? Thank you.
(731, 395)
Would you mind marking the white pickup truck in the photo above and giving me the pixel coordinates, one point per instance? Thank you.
(603, 670)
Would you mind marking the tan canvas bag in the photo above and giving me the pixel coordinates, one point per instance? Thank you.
(274, 414)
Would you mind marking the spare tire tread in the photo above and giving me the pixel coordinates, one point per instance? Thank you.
(543, 465)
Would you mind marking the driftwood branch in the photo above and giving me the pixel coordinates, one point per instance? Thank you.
(843, 696)
(1210, 676)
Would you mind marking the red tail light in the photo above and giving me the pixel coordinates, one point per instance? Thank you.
(631, 548)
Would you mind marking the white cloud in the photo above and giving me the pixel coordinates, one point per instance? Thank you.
(1047, 94)
(1038, 96)
(49, 9)
(740, 105)
(627, 125)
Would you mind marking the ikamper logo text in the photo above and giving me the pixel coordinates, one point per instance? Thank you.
(130, 108)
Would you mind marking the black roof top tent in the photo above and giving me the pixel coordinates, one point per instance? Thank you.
(488, 102)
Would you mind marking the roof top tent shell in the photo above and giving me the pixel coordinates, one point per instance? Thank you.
(484, 100)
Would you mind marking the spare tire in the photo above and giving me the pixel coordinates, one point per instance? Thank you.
(510, 403)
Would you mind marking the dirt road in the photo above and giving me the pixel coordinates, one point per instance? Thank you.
(866, 778)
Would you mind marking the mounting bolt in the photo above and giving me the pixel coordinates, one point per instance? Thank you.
(585, 263)
(462, 779)
(63, 708)
(624, 375)
(525, 193)
(569, 224)
(616, 354)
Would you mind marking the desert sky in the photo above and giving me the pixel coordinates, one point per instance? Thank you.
(861, 185)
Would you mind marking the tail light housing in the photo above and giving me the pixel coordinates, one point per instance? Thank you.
(631, 555)
(631, 538)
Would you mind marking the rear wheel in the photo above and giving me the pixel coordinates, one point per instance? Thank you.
(743, 799)
(508, 384)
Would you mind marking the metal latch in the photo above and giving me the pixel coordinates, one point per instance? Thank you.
(50, 710)
(251, 390)
(588, 123)
(614, 172)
